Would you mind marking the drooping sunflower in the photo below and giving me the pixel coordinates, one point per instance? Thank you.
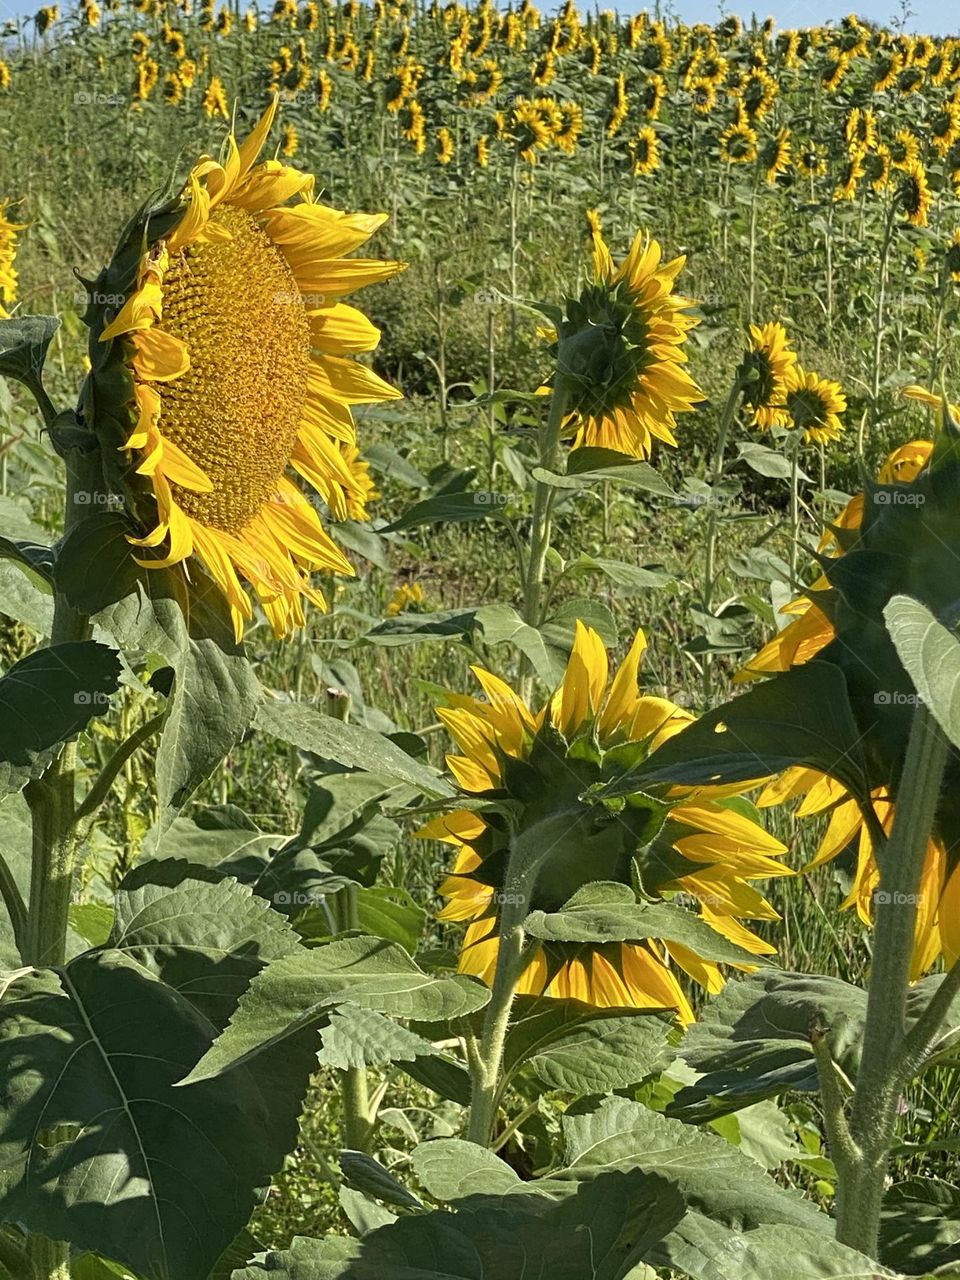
(848, 180)
(774, 156)
(876, 168)
(764, 372)
(702, 848)
(913, 195)
(619, 106)
(230, 363)
(937, 927)
(860, 130)
(620, 349)
(651, 94)
(8, 252)
(738, 144)
(814, 405)
(444, 146)
(810, 631)
(904, 149)
(645, 152)
(215, 99)
(568, 132)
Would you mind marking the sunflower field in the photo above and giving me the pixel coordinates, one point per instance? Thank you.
(479, 671)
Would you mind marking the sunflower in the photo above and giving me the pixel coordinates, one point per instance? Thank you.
(618, 107)
(232, 347)
(913, 194)
(290, 143)
(851, 172)
(620, 347)
(481, 152)
(814, 405)
(876, 168)
(834, 70)
(758, 93)
(215, 99)
(8, 253)
(904, 149)
(444, 146)
(651, 94)
(860, 130)
(888, 67)
(567, 134)
(645, 152)
(811, 160)
(811, 630)
(703, 96)
(945, 127)
(703, 847)
(774, 156)
(764, 372)
(407, 597)
(738, 144)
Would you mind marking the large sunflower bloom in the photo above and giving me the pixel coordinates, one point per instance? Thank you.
(233, 345)
(706, 851)
(938, 909)
(814, 405)
(620, 351)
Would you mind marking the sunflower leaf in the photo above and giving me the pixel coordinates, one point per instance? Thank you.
(47, 698)
(159, 1178)
(601, 1232)
(300, 990)
(931, 655)
(303, 726)
(800, 717)
(609, 912)
(23, 347)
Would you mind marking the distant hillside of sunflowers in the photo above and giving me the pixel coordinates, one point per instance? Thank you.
(803, 172)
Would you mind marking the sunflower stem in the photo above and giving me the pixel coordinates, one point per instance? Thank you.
(713, 518)
(876, 1099)
(52, 802)
(529, 850)
(540, 521)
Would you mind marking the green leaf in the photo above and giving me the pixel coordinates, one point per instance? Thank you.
(801, 717)
(25, 599)
(502, 624)
(300, 990)
(599, 1233)
(93, 921)
(574, 1047)
(23, 347)
(931, 655)
(706, 1250)
(364, 1174)
(713, 1177)
(414, 628)
(32, 558)
(304, 726)
(47, 698)
(752, 1041)
(450, 1168)
(608, 912)
(451, 508)
(159, 1178)
(629, 578)
(391, 913)
(591, 465)
(920, 1225)
(766, 462)
(357, 1037)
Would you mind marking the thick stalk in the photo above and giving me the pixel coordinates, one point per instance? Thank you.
(52, 802)
(528, 852)
(873, 1116)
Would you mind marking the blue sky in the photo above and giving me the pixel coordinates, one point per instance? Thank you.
(931, 16)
